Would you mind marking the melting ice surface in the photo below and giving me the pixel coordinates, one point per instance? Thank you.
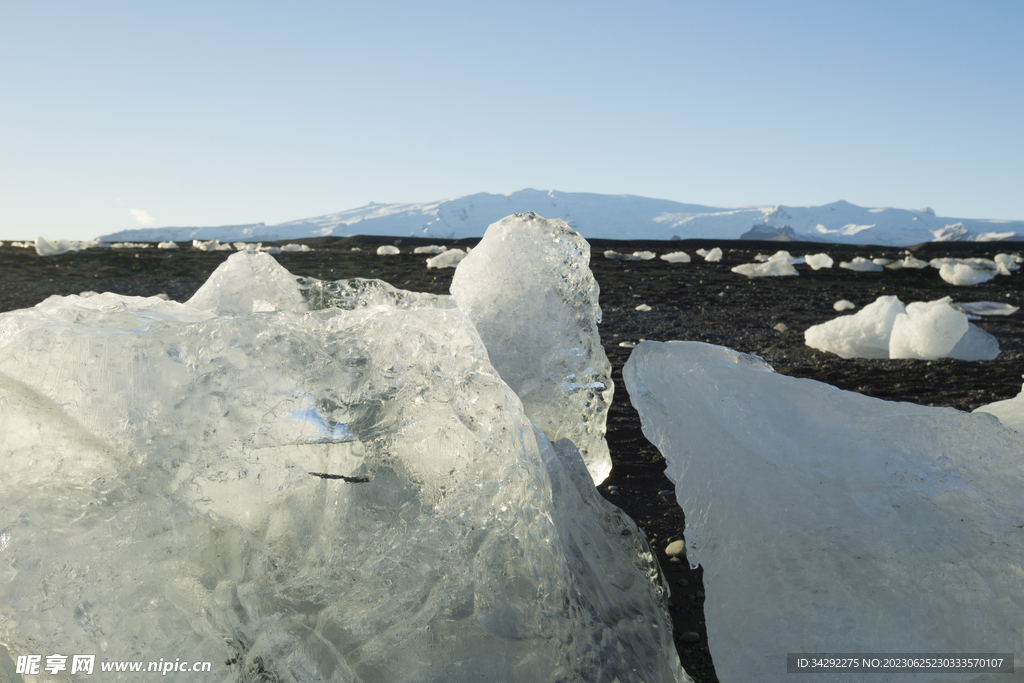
(829, 521)
(158, 501)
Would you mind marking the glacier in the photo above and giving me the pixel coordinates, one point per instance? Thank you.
(828, 521)
(303, 480)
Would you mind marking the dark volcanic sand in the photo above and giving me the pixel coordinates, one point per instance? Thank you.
(696, 301)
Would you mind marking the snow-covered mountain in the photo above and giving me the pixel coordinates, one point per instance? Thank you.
(598, 216)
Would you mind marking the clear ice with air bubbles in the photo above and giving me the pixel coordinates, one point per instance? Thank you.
(312, 481)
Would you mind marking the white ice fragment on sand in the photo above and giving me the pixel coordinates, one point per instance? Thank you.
(713, 256)
(864, 334)
(246, 282)
(778, 264)
(964, 274)
(844, 305)
(828, 521)
(911, 262)
(927, 330)
(627, 344)
(446, 259)
(643, 255)
(819, 261)
(862, 265)
(979, 308)
(167, 245)
(387, 250)
(643, 308)
(676, 257)
(430, 249)
(296, 248)
(1010, 411)
(881, 261)
(45, 247)
(169, 453)
(211, 245)
(529, 290)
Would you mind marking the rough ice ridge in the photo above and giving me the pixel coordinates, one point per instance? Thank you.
(175, 484)
(829, 521)
(529, 291)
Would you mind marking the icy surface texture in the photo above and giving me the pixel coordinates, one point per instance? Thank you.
(1010, 412)
(887, 329)
(387, 250)
(829, 521)
(864, 334)
(248, 282)
(158, 501)
(528, 289)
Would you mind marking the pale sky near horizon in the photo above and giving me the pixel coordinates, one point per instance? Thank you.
(118, 115)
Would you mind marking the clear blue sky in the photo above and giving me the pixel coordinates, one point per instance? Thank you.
(119, 114)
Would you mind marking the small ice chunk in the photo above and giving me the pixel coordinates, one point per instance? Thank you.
(447, 259)
(247, 282)
(964, 274)
(819, 261)
(986, 308)
(296, 248)
(387, 250)
(45, 247)
(844, 305)
(643, 308)
(714, 255)
(862, 265)
(430, 249)
(676, 257)
(167, 245)
(911, 262)
(864, 334)
(643, 255)
(778, 264)
(881, 261)
(927, 330)
(211, 245)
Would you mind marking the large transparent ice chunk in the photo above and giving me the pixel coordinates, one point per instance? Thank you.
(829, 521)
(344, 494)
(529, 290)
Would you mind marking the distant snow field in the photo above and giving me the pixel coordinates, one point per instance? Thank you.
(601, 216)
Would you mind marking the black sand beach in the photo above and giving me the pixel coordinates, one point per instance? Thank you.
(696, 301)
